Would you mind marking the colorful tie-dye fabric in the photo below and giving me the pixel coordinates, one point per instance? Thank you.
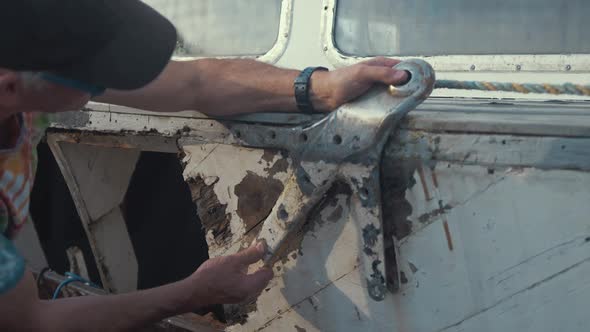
(18, 161)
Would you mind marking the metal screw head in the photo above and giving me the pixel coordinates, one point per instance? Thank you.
(568, 67)
(325, 48)
(518, 67)
(472, 67)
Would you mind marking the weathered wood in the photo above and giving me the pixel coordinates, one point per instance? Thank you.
(98, 178)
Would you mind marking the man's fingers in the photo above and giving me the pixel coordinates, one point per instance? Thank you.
(258, 280)
(385, 75)
(381, 61)
(251, 255)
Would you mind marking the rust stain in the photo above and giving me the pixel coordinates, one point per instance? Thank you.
(238, 313)
(211, 212)
(396, 177)
(358, 313)
(257, 196)
(279, 166)
(448, 234)
(268, 155)
(395, 207)
(433, 215)
(413, 268)
(315, 306)
(424, 186)
(403, 278)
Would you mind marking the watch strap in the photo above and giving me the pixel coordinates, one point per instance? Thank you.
(301, 86)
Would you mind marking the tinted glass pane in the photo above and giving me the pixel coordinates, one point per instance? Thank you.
(222, 27)
(440, 27)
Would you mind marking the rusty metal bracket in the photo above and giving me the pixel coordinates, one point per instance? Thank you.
(344, 146)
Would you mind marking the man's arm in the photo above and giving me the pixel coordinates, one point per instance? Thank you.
(225, 87)
(219, 280)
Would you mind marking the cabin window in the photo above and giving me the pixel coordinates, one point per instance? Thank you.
(222, 27)
(462, 27)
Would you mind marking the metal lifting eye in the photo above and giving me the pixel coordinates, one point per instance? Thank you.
(409, 73)
(395, 89)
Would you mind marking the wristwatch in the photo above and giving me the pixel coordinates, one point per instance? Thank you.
(301, 86)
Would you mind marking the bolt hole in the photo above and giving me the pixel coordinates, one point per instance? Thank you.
(272, 134)
(238, 134)
(365, 193)
(587, 239)
(283, 214)
(325, 7)
(503, 142)
(337, 139)
(303, 137)
(563, 147)
(408, 79)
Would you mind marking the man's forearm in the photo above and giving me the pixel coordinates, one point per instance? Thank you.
(225, 87)
(219, 87)
(23, 311)
(125, 312)
(243, 86)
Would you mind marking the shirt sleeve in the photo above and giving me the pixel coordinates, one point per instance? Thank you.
(12, 265)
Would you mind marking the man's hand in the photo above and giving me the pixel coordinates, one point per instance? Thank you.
(329, 90)
(225, 280)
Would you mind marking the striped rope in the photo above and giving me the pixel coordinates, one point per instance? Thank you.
(554, 89)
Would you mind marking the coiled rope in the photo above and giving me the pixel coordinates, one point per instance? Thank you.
(554, 89)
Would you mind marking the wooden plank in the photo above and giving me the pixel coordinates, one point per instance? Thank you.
(102, 174)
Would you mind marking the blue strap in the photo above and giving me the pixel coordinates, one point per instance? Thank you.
(12, 265)
(93, 90)
(71, 277)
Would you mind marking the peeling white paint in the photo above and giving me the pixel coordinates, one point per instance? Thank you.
(228, 165)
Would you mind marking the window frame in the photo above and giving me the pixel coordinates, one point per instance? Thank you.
(275, 52)
(566, 63)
